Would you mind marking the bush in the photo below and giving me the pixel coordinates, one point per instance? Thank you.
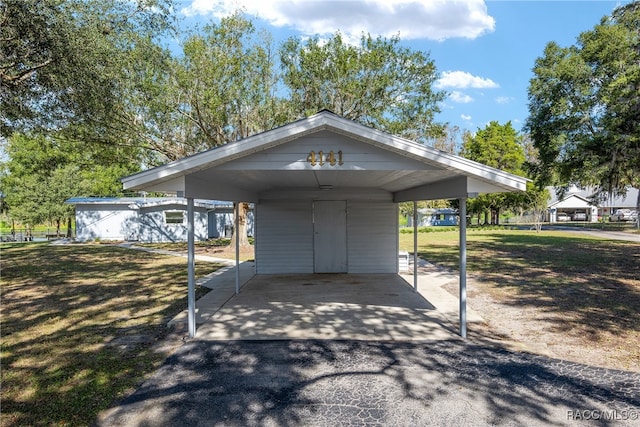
(433, 229)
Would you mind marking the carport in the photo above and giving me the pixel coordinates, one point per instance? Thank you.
(325, 192)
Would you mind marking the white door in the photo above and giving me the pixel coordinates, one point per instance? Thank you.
(330, 236)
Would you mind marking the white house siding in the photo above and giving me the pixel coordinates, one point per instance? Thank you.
(284, 242)
(284, 237)
(152, 227)
(372, 238)
(221, 222)
(106, 222)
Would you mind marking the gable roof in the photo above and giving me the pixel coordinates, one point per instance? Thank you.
(627, 201)
(417, 165)
(581, 201)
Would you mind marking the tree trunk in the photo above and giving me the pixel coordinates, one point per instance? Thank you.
(243, 209)
(69, 231)
(486, 217)
(638, 211)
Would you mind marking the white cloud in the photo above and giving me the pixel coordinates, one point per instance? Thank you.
(504, 99)
(465, 117)
(460, 97)
(463, 80)
(411, 19)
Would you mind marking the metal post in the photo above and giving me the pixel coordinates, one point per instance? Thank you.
(415, 246)
(463, 267)
(191, 268)
(237, 233)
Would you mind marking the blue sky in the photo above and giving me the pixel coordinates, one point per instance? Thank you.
(484, 50)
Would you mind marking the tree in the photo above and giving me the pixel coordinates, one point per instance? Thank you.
(65, 62)
(226, 90)
(498, 146)
(449, 141)
(42, 172)
(227, 84)
(71, 83)
(377, 83)
(584, 108)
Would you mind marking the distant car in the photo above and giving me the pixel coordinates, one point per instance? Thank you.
(579, 216)
(623, 215)
(561, 216)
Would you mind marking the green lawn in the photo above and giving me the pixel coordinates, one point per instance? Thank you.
(79, 324)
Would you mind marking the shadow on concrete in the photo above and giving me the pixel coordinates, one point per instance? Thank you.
(327, 306)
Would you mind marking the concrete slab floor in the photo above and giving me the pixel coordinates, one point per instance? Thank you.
(334, 306)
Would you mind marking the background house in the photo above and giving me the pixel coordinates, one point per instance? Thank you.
(435, 217)
(577, 201)
(150, 219)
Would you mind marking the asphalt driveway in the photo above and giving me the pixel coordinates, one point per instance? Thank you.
(334, 383)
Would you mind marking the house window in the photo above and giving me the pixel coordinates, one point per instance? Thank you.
(174, 217)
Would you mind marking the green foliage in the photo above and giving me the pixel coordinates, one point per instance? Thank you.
(65, 62)
(585, 107)
(501, 147)
(498, 146)
(90, 77)
(227, 83)
(377, 83)
(42, 172)
(409, 230)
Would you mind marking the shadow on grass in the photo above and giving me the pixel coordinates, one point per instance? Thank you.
(79, 324)
(592, 285)
(308, 382)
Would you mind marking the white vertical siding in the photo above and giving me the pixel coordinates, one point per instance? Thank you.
(110, 222)
(152, 226)
(284, 237)
(330, 236)
(372, 237)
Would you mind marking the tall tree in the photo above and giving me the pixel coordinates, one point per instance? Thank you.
(65, 62)
(449, 140)
(41, 172)
(498, 146)
(377, 83)
(227, 85)
(584, 107)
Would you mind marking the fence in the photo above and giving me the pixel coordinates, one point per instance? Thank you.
(24, 235)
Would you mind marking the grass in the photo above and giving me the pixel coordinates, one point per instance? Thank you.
(627, 227)
(66, 309)
(218, 248)
(80, 324)
(587, 289)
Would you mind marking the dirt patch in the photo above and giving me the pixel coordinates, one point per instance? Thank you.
(246, 253)
(521, 326)
(568, 295)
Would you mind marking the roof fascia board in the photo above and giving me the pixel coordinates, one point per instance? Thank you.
(421, 152)
(172, 185)
(225, 153)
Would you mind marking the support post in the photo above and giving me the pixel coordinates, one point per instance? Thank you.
(191, 268)
(463, 267)
(415, 246)
(237, 235)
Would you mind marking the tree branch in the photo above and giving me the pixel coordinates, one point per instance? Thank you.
(20, 77)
